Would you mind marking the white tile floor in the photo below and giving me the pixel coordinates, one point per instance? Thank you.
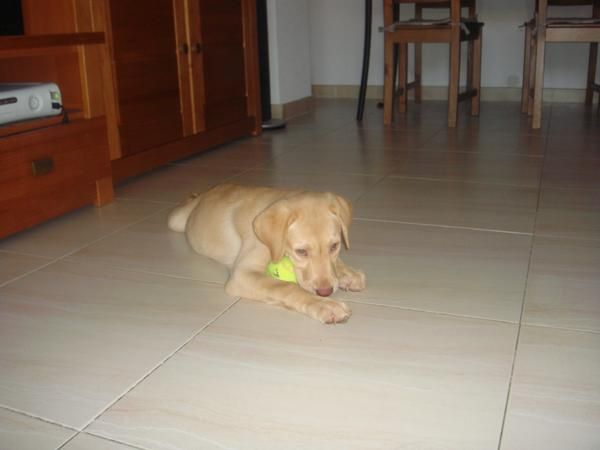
(479, 329)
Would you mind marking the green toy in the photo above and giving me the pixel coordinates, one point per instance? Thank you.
(282, 270)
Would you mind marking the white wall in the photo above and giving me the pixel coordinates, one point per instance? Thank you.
(289, 52)
(336, 39)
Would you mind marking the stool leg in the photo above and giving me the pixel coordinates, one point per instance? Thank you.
(388, 81)
(526, 71)
(402, 76)
(454, 77)
(532, 66)
(418, 60)
(538, 89)
(418, 72)
(591, 77)
(470, 56)
(476, 75)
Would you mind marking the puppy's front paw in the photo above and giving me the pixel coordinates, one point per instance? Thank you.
(353, 280)
(330, 311)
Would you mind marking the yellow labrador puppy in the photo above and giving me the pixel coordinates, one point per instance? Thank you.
(246, 227)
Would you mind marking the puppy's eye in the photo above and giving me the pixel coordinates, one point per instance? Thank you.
(334, 247)
(301, 252)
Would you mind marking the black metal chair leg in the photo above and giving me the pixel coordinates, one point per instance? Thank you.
(366, 56)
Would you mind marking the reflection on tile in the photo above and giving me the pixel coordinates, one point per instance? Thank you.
(555, 396)
(14, 265)
(20, 432)
(571, 173)
(265, 378)
(238, 155)
(173, 183)
(563, 287)
(476, 205)
(487, 143)
(150, 246)
(464, 272)
(291, 136)
(81, 335)
(74, 230)
(85, 441)
(573, 147)
(379, 138)
(573, 213)
(464, 166)
(329, 160)
(574, 120)
(350, 186)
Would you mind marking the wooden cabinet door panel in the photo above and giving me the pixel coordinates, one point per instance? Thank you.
(145, 68)
(224, 73)
(217, 25)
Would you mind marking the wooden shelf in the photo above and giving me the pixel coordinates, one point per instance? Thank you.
(12, 43)
(34, 124)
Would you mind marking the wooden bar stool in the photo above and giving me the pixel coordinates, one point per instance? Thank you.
(453, 31)
(418, 55)
(529, 55)
(544, 29)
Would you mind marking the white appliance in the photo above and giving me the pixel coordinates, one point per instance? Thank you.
(23, 101)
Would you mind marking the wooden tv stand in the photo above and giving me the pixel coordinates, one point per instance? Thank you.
(51, 166)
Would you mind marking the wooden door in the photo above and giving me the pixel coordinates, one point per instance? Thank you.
(142, 37)
(218, 65)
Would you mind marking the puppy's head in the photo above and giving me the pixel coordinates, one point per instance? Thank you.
(310, 228)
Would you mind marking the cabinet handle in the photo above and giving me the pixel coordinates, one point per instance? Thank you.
(42, 166)
(184, 48)
(198, 47)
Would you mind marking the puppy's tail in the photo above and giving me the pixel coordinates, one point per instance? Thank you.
(179, 216)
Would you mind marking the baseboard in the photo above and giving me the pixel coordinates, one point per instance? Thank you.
(292, 109)
(441, 93)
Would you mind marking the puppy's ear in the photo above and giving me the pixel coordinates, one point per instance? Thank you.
(271, 227)
(343, 210)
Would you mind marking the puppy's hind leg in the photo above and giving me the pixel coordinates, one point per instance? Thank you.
(178, 217)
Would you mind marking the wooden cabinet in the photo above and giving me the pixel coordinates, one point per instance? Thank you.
(184, 77)
(74, 154)
(145, 82)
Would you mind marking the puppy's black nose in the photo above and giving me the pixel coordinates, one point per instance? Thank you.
(325, 292)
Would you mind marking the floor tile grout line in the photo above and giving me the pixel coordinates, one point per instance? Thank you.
(524, 299)
(567, 238)
(450, 180)
(18, 253)
(36, 417)
(156, 202)
(160, 364)
(116, 441)
(380, 180)
(88, 244)
(435, 225)
(567, 329)
(425, 311)
(29, 272)
(141, 271)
